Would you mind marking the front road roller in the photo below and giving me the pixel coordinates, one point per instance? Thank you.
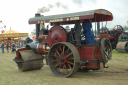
(63, 58)
(28, 60)
(122, 47)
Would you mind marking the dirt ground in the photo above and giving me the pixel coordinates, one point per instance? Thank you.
(116, 74)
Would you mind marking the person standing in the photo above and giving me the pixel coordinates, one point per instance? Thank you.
(13, 46)
(7, 47)
(20, 45)
(2, 46)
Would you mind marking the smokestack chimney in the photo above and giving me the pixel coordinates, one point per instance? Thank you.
(37, 27)
(37, 15)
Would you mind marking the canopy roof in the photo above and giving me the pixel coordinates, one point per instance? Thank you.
(12, 33)
(93, 15)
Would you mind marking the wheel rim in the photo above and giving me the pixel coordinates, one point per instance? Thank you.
(106, 50)
(62, 59)
(126, 47)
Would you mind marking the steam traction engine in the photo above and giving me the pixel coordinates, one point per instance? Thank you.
(66, 51)
(114, 34)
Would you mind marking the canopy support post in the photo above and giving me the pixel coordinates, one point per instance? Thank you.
(37, 27)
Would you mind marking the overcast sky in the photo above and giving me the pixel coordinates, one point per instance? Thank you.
(16, 13)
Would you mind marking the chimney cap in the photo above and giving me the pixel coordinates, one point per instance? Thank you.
(37, 15)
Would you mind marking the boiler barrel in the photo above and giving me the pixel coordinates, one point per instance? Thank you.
(39, 48)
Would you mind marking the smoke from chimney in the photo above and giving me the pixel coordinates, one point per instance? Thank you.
(81, 2)
(47, 8)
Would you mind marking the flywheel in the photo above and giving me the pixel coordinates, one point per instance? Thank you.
(63, 59)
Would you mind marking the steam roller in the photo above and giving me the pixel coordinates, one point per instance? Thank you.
(29, 60)
(66, 50)
(122, 47)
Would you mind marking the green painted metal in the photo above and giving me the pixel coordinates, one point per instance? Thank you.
(123, 40)
(126, 46)
(120, 48)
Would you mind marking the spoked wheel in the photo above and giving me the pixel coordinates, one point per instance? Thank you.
(63, 59)
(106, 50)
(119, 28)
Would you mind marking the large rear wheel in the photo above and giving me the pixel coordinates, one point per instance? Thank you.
(63, 59)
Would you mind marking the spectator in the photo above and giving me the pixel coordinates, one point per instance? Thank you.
(20, 45)
(7, 47)
(17, 45)
(13, 47)
(2, 46)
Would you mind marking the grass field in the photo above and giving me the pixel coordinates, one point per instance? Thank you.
(116, 74)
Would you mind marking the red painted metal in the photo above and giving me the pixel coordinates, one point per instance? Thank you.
(43, 48)
(92, 54)
(43, 38)
(104, 35)
(21, 49)
(56, 34)
(112, 37)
